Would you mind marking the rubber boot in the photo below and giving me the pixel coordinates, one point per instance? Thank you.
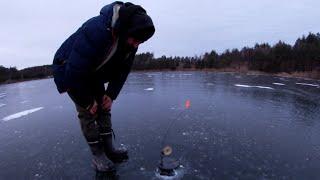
(100, 161)
(116, 155)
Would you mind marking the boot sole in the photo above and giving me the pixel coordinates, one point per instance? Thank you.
(119, 158)
(95, 167)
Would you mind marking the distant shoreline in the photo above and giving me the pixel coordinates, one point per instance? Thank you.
(300, 59)
(298, 75)
(25, 80)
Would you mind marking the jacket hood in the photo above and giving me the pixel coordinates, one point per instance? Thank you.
(129, 20)
(134, 22)
(108, 9)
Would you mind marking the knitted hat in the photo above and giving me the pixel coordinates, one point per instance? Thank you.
(134, 22)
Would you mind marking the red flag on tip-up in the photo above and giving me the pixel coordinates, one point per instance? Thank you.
(187, 104)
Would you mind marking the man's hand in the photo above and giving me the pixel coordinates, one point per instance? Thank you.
(93, 109)
(106, 103)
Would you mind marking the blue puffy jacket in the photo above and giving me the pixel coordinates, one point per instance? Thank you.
(80, 66)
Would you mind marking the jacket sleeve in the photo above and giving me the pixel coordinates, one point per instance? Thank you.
(89, 46)
(115, 84)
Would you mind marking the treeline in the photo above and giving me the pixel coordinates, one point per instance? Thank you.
(12, 74)
(303, 56)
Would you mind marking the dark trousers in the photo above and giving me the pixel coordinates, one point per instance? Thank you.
(93, 126)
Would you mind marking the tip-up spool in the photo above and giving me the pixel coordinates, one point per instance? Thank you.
(167, 164)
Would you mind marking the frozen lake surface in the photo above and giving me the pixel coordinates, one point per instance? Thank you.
(237, 127)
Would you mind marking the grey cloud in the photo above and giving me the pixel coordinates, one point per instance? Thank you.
(31, 31)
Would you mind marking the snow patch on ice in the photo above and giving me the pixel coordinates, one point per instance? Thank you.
(187, 74)
(248, 86)
(306, 84)
(1, 105)
(21, 114)
(283, 79)
(23, 102)
(241, 85)
(2, 96)
(279, 84)
(263, 87)
(210, 84)
(149, 89)
(185, 133)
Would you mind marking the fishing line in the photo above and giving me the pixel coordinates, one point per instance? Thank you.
(169, 127)
(167, 164)
(187, 106)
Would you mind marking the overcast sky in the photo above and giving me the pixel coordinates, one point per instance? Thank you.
(32, 30)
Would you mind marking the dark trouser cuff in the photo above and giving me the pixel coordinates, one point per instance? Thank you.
(96, 147)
